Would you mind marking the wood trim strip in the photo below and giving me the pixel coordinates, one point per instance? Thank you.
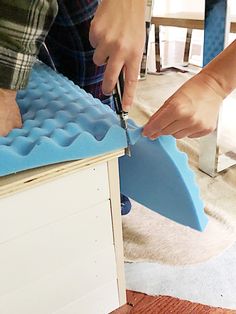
(27, 179)
(113, 173)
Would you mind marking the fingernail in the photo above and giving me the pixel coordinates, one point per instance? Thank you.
(152, 138)
(155, 137)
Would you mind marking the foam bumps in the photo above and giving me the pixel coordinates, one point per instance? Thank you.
(60, 122)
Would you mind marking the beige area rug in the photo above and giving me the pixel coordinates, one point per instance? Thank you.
(149, 236)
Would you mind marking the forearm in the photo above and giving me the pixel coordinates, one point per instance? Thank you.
(222, 71)
(24, 25)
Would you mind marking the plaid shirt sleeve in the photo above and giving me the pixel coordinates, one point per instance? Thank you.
(24, 25)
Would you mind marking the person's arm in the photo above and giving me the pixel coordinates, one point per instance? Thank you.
(117, 33)
(23, 27)
(193, 109)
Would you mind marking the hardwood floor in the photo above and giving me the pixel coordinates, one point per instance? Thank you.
(139, 303)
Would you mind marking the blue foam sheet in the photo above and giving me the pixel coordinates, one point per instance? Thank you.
(158, 176)
(62, 122)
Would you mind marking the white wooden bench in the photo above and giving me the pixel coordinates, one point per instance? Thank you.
(61, 248)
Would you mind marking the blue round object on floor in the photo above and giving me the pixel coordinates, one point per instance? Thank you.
(125, 205)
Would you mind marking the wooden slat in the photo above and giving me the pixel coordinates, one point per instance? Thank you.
(49, 202)
(178, 22)
(54, 246)
(26, 179)
(84, 284)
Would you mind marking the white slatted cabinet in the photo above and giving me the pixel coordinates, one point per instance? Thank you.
(61, 247)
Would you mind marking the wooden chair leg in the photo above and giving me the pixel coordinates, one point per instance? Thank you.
(157, 46)
(143, 70)
(187, 46)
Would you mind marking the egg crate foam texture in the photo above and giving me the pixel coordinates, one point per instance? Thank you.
(61, 122)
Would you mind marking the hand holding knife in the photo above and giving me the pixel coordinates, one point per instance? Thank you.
(117, 94)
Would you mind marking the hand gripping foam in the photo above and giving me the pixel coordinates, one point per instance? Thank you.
(61, 122)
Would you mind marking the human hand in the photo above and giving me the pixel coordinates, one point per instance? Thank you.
(192, 111)
(117, 33)
(10, 116)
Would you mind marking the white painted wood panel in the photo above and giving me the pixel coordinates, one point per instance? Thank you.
(113, 172)
(88, 285)
(54, 246)
(100, 301)
(27, 210)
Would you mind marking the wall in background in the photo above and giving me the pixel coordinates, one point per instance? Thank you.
(232, 4)
(173, 6)
(193, 6)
